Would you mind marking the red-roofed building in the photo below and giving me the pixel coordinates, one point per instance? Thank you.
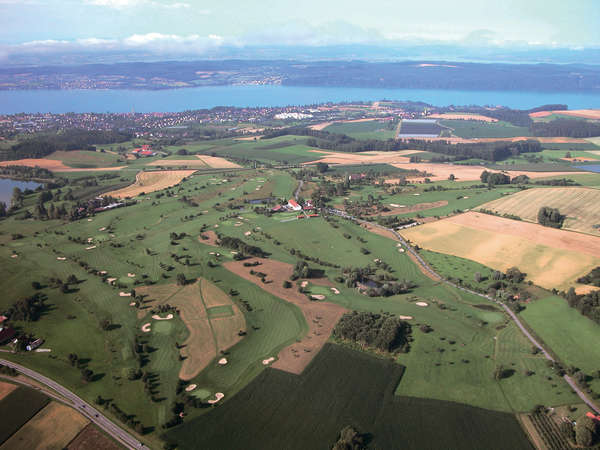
(277, 208)
(6, 334)
(293, 205)
(593, 416)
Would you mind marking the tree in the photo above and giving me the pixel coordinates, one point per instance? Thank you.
(181, 280)
(322, 167)
(2, 209)
(451, 177)
(477, 277)
(568, 155)
(585, 431)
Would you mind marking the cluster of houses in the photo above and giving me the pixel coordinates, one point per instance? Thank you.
(293, 205)
(144, 151)
(7, 335)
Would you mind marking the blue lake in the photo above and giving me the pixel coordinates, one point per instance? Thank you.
(171, 100)
(7, 186)
(590, 168)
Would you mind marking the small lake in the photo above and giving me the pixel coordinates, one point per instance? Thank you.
(7, 185)
(173, 100)
(590, 168)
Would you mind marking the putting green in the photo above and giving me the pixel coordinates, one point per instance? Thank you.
(162, 326)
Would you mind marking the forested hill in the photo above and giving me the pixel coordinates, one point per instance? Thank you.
(408, 74)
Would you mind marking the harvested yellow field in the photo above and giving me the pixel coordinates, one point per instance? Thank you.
(52, 428)
(146, 182)
(551, 258)
(216, 162)
(371, 157)
(178, 163)
(468, 173)
(580, 205)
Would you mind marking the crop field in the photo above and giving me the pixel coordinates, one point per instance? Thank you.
(54, 165)
(374, 129)
(17, 408)
(309, 410)
(551, 258)
(581, 206)
(6, 388)
(147, 182)
(198, 161)
(284, 149)
(52, 428)
(471, 129)
(91, 438)
(82, 159)
(567, 332)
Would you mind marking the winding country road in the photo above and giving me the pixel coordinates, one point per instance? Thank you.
(512, 315)
(80, 405)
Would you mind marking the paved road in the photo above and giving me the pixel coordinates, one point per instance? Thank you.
(84, 408)
(510, 312)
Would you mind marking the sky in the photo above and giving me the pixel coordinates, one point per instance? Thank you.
(198, 27)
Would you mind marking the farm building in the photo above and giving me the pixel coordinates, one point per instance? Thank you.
(277, 208)
(293, 205)
(6, 334)
(33, 345)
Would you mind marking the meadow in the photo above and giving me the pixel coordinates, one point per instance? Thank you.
(308, 411)
(373, 129)
(567, 333)
(470, 129)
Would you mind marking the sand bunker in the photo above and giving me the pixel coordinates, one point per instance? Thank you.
(124, 294)
(247, 233)
(223, 361)
(146, 328)
(14, 256)
(304, 283)
(268, 361)
(421, 304)
(218, 396)
(335, 291)
(191, 387)
(405, 317)
(90, 248)
(111, 280)
(61, 258)
(131, 275)
(317, 297)
(157, 317)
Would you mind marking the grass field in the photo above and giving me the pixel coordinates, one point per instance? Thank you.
(137, 240)
(339, 388)
(17, 408)
(581, 206)
(567, 333)
(284, 149)
(374, 129)
(470, 129)
(52, 428)
(551, 258)
(82, 159)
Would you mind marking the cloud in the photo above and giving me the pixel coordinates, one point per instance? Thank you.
(158, 43)
(123, 4)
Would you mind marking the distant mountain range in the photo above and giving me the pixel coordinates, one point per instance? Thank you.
(335, 73)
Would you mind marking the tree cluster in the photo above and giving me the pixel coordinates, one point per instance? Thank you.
(550, 217)
(384, 332)
(566, 127)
